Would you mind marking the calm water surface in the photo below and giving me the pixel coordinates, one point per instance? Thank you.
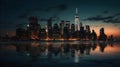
(60, 54)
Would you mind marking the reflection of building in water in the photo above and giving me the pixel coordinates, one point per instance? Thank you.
(88, 47)
(102, 46)
(94, 46)
(66, 48)
(50, 50)
(77, 56)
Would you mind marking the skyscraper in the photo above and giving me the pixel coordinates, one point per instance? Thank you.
(56, 31)
(33, 28)
(77, 28)
(68, 24)
(88, 32)
(62, 27)
(72, 30)
(87, 29)
(102, 36)
(49, 27)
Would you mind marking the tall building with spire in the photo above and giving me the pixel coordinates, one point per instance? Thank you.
(77, 28)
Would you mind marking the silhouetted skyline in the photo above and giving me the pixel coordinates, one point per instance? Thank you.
(96, 13)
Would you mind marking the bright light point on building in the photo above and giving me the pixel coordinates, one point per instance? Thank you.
(28, 25)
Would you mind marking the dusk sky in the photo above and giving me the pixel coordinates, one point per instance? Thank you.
(96, 13)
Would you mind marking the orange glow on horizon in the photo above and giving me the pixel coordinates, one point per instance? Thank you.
(109, 30)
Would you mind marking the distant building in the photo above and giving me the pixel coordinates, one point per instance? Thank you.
(102, 36)
(56, 31)
(49, 26)
(68, 25)
(33, 28)
(62, 27)
(72, 30)
(80, 24)
(93, 35)
(110, 38)
(42, 34)
(77, 21)
(66, 33)
(64, 30)
(82, 33)
(21, 34)
(88, 32)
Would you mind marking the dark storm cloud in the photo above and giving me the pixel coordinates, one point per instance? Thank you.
(109, 19)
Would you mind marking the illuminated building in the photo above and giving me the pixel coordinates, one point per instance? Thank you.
(77, 21)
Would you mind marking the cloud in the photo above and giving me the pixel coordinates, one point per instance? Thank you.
(109, 19)
(105, 12)
(51, 18)
(56, 9)
(61, 7)
(24, 15)
(21, 24)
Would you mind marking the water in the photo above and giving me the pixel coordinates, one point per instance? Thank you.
(59, 54)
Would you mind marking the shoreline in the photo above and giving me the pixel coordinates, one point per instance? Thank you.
(59, 41)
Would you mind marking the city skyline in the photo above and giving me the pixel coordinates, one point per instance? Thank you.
(62, 31)
(97, 14)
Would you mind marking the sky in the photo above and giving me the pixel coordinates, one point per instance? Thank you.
(96, 13)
